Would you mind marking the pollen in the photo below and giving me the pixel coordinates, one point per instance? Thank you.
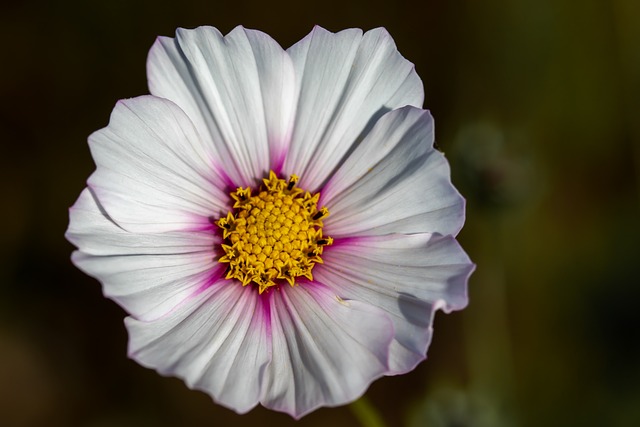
(275, 236)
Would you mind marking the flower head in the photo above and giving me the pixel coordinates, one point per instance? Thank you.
(276, 222)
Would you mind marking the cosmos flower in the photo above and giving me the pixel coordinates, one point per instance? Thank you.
(276, 222)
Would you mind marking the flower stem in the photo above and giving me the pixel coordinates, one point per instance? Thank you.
(366, 413)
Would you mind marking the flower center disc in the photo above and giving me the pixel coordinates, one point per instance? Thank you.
(273, 236)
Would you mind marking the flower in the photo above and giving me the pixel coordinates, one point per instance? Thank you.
(277, 223)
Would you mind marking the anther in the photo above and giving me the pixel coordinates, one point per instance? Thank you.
(320, 214)
(292, 182)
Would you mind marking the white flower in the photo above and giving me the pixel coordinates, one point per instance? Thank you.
(299, 296)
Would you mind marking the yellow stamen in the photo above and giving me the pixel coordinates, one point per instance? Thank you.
(274, 236)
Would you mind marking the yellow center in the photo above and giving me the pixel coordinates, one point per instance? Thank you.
(273, 236)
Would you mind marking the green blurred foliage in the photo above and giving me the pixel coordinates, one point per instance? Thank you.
(536, 106)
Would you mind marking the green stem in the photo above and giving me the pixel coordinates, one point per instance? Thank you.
(366, 413)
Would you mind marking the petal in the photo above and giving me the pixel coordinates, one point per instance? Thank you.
(238, 90)
(408, 276)
(150, 286)
(394, 182)
(153, 173)
(326, 351)
(93, 232)
(147, 274)
(346, 81)
(216, 341)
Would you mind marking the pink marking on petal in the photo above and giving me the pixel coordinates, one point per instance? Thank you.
(264, 304)
(323, 194)
(278, 161)
(342, 241)
(212, 278)
(202, 224)
(303, 281)
(228, 184)
(215, 276)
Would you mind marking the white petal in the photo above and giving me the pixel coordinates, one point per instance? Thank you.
(95, 233)
(326, 351)
(346, 81)
(153, 173)
(408, 276)
(217, 342)
(147, 274)
(238, 90)
(394, 182)
(150, 286)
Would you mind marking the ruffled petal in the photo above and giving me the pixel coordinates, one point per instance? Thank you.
(93, 232)
(408, 276)
(147, 274)
(150, 286)
(346, 81)
(238, 89)
(394, 182)
(326, 351)
(153, 173)
(217, 342)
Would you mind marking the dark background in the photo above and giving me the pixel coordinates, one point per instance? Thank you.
(537, 107)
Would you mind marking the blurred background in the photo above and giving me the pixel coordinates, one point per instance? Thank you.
(537, 107)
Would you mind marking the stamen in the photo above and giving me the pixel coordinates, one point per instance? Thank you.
(275, 236)
(320, 214)
(292, 181)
